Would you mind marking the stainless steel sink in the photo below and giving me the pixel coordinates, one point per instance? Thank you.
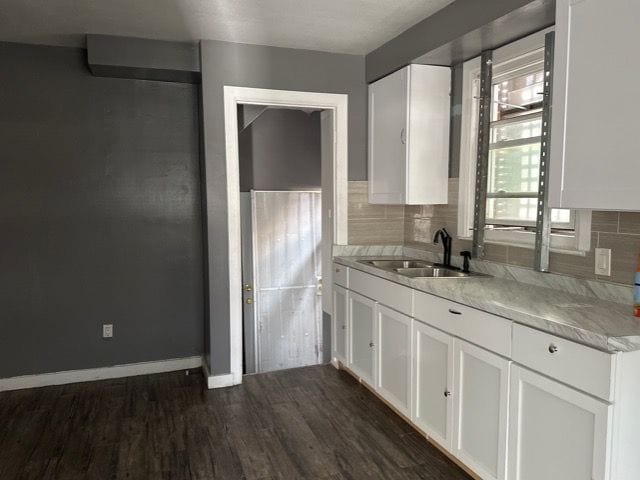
(394, 264)
(436, 272)
(420, 269)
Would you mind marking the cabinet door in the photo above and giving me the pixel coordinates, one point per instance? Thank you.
(594, 141)
(339, 325)
(433, 383)
(481, 396)
(362, 352)
(394, 358)
(556, 432)
(387, 138)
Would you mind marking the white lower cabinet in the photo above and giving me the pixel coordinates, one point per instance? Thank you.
(362, 336)
(394, 358)
(433, 383)
(556, 432)
(340, 325)
(481, 393)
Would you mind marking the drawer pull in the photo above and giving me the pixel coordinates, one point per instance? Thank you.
(371, 344)
(455, 312)
(447, 393)
(553, 348)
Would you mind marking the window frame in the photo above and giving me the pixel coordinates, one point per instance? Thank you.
(513, 55)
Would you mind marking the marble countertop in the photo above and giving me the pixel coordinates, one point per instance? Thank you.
(605, 325)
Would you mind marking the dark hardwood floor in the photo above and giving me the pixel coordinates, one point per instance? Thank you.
(307, 423)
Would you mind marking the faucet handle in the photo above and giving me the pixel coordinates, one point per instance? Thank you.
(466, 256)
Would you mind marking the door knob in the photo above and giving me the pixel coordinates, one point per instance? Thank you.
(447, 393)
(553, 348)
(249, 301)
(371, 344)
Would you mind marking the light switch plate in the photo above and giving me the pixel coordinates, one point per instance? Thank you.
(603, 261)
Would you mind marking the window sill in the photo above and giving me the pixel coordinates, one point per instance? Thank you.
(564, 245)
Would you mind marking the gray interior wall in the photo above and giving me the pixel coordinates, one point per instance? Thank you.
(280, 150)
(100, 216)
(262, 67)
(460, 31)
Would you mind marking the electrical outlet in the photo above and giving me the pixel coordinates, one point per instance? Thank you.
(107, 330)
(603, 261)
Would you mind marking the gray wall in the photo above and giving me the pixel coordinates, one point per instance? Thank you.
(100, 216)
(460, 31)
(280, 150)
(261, 67)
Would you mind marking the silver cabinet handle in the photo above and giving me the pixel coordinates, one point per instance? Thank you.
(371, 344)
(455, 312)
(447, 393)
(553, 348)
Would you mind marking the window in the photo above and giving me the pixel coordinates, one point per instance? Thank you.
(514, 152)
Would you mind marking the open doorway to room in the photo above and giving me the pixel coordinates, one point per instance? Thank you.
(280, 196)
(333, 112)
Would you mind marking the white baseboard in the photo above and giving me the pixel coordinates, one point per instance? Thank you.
(220, 381)
(91, 374)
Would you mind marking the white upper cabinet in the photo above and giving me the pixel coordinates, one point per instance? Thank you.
(409, 115)
(594, 129)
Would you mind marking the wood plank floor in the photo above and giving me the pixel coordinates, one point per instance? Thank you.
(307, 423)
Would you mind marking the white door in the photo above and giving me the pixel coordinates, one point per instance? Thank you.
(394, 358)
(556, 432)
(339, 326)
(388, 99)
(287, 277)
(362, 351)
(481, 395)
(433, 383)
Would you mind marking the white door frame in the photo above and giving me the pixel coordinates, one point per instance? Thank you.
(233, 96)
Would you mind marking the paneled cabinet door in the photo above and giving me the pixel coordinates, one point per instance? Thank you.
(394, 358)
(362, 333)
(481, 392)
(340, 327)
(433, 383)
(594, 137)
(556, 432)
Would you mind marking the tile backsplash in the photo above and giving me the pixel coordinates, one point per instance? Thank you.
(373, 224)
(415, 226)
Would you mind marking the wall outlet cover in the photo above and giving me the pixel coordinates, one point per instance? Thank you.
(107, 330)
(603, 262)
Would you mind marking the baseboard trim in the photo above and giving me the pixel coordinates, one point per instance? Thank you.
(103, 373)
(219, 381)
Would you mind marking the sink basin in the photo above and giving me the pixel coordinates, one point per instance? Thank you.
(435, 272)
(394, 264)
(419, 269)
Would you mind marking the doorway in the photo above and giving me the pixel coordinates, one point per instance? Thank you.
(334, 137)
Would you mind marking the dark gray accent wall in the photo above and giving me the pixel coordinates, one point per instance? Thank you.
(139, 58)
(459, 31)
(280, 150)
(100, 216)
(274, 68)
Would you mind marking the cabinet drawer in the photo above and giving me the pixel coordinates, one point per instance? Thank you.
(341, 275)
(391, 294)
(584, 368)
(475, 326)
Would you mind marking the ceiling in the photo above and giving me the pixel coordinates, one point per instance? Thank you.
(341, 26)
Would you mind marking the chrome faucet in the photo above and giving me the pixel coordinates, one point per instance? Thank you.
(446, 244)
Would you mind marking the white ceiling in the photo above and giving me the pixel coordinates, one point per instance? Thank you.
(344, 26)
